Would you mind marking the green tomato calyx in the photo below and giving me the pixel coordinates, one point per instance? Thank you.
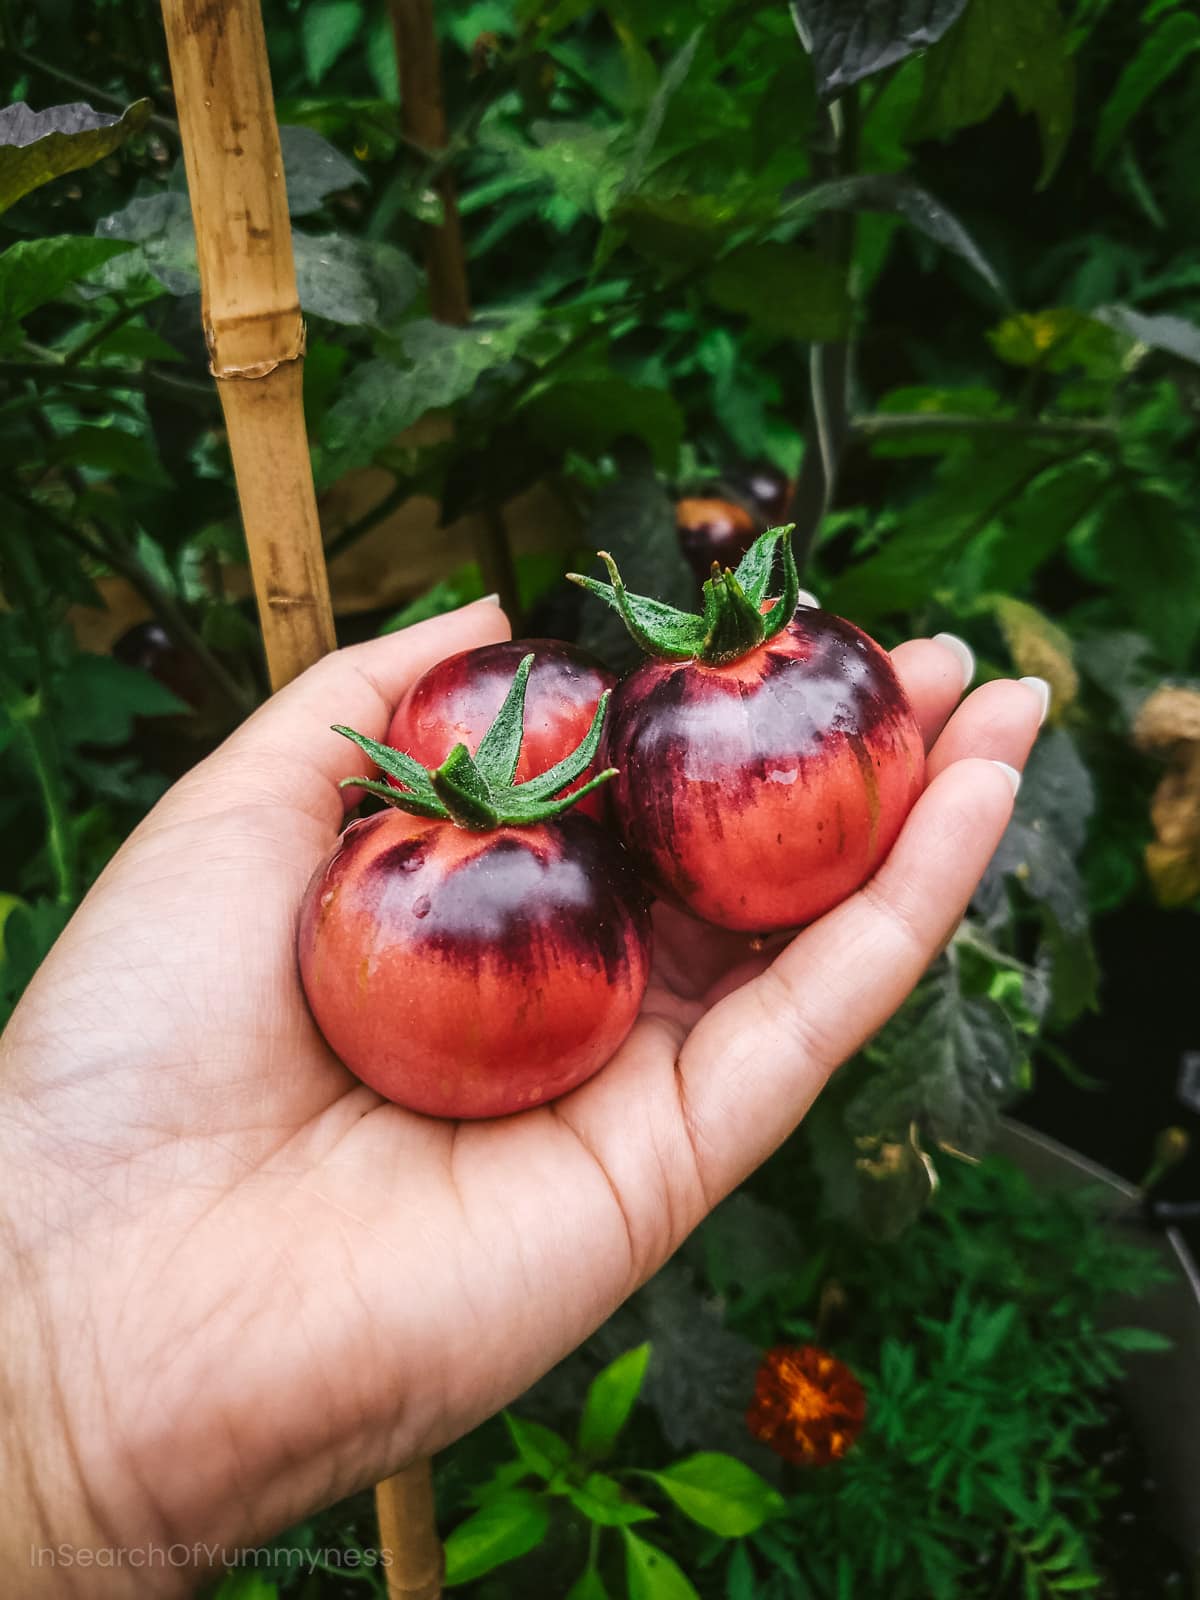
(733, 621)
(477, 791)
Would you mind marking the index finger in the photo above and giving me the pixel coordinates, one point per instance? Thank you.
(287, 751)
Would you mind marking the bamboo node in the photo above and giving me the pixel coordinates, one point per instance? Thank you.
(254, 369)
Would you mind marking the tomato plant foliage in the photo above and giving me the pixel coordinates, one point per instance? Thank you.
(932, 259)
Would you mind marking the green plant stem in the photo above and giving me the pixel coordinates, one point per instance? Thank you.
(94, 93)
(122, 559)
(899, 424)
(37, 736)
(34, 729)
(827, 427)
(99, 334)
(400, 491)
(496, 562)
(184, 389)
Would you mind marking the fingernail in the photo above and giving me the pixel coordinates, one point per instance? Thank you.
(960, 649)
(488, 600)
(1011, 773)
(807, 598)
(1042, 689)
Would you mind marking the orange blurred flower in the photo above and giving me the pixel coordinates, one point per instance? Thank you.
(808, 1406)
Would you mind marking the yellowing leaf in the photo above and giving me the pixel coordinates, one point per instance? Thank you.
(1170, 720)
(1039, 649)
(1058, 338)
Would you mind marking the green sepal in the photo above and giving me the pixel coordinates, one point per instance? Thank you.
(384, 791)
(500, 748)
(733, 622)
(464, 791)
(659, 629)
(547, 784)
(478, 791)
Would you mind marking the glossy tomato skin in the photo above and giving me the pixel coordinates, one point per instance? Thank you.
(456, 702)
(760, 794)
(473, 974)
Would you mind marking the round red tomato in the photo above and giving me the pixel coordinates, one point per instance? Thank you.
(468, 973)
(761, 792)
(456, 701)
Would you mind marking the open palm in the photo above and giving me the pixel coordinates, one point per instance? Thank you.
(236, 1284)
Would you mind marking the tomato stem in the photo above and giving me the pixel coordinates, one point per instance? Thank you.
(736, 616)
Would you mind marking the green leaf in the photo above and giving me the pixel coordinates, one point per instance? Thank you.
(112, 451)
(98, 699)
(313, 168)
(541, 1449)
(327, 29)
(849, 43)
(575, 159)
(1177, 336)
(1000, 47)
(917, 558)
(435, 366)
(1148, 550)
(33, 271)
(1176, 37)
(1137, 1339)
(1047, 832)
(36, 146)
(888, 193)
(946, 1063)
(1063, 498)
(739, 1576)
(719, 1492)
(634, 520)
(588, 1587)
(160, 225)
(603, 1501)
(362, 283)
(588, 414)
(610, 1399)
(499, 1532)
(245, 1585)
(674, 74)
(651, 1574)
(1058, 339)
(784, 290)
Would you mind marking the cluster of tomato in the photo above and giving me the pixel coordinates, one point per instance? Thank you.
(483, 945)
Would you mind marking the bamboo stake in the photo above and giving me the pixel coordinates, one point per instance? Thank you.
(255, 337)
(251, 313)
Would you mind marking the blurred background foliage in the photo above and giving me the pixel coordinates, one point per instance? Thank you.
(941, 276)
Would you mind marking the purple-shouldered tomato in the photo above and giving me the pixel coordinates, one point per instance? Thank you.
(457, 700)
(489, 952)
(766, 762)
(473, 974)
(711, 530)
(767, 487)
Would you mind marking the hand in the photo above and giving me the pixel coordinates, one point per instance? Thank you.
(234, 1283)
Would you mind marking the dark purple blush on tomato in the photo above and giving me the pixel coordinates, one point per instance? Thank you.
(760, 793)
(473, 974)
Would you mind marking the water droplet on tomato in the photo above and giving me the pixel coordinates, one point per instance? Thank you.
(421, 906)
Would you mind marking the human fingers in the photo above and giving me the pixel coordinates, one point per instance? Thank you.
(287, 752)
(753, 1066)
(1002, 723)
(934, 673)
